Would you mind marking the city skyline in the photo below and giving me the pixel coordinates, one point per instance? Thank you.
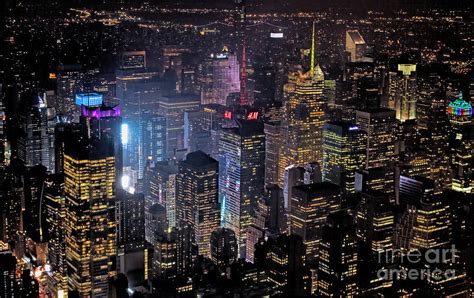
(236, 148)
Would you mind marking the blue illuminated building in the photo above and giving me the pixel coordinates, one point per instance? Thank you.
(89, 99)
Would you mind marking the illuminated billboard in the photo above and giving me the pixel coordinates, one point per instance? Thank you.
(276, 35)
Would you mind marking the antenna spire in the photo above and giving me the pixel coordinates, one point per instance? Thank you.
(312, 50)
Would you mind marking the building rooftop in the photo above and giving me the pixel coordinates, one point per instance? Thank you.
(199, 159)
(356, 37)
(323, 187)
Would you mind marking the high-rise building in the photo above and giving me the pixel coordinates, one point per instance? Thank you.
(355, 45)
(62, 131)
(3, 139)
(426, 225)
(165, 257)
(55, 205)
(156, 223)
(189, 81)
(282, 260)
(34, 139)
(152, 139)
(375, 221)
(91, 249)
(8, 283)
(413, 190)
(223, 247)
(197, 198)
(219, 77)
(241, 176)
(310, 206)
(379, 125)
(304, 118)
(272, 152)
(173, 57)
(344, 152)
(312, 173)
(460, 117)
(137, 89)
(133, 60)
(402, 92)
(337, 268)
(97, 121)
(276, 219)
(130, 210)
(172, 107)
(161, 189)
(294, 176)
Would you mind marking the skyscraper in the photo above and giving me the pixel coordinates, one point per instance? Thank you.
(97, 121)
(91, 249)
(55, 205)
(293, 176)
(130, 210)
(172, 107)
(375, 220)
(460, 117)
(162, 189)
(402, 92)
(241, 176)
(344, 152)
(355, 45)
(282, 259)
(3, 140)
(272, 152)
(156, 223)
(379, 125)
(33, 138)
(415, 189)
(152, 139)
(223, 247)
(8, 283)
(337, 269)
(304, 119)
(219, 77)
(197, 198)
(310, 206)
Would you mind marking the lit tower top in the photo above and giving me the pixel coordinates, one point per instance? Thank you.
(315, 71)
(459, 112)
(460, 107)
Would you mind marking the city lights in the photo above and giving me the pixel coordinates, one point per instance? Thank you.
(236, 148)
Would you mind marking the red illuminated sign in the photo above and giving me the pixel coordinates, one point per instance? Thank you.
(227, 115)
(252, 116)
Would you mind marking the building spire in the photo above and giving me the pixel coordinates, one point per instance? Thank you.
(312, 50)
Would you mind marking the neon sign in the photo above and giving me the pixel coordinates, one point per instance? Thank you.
(252, 116)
